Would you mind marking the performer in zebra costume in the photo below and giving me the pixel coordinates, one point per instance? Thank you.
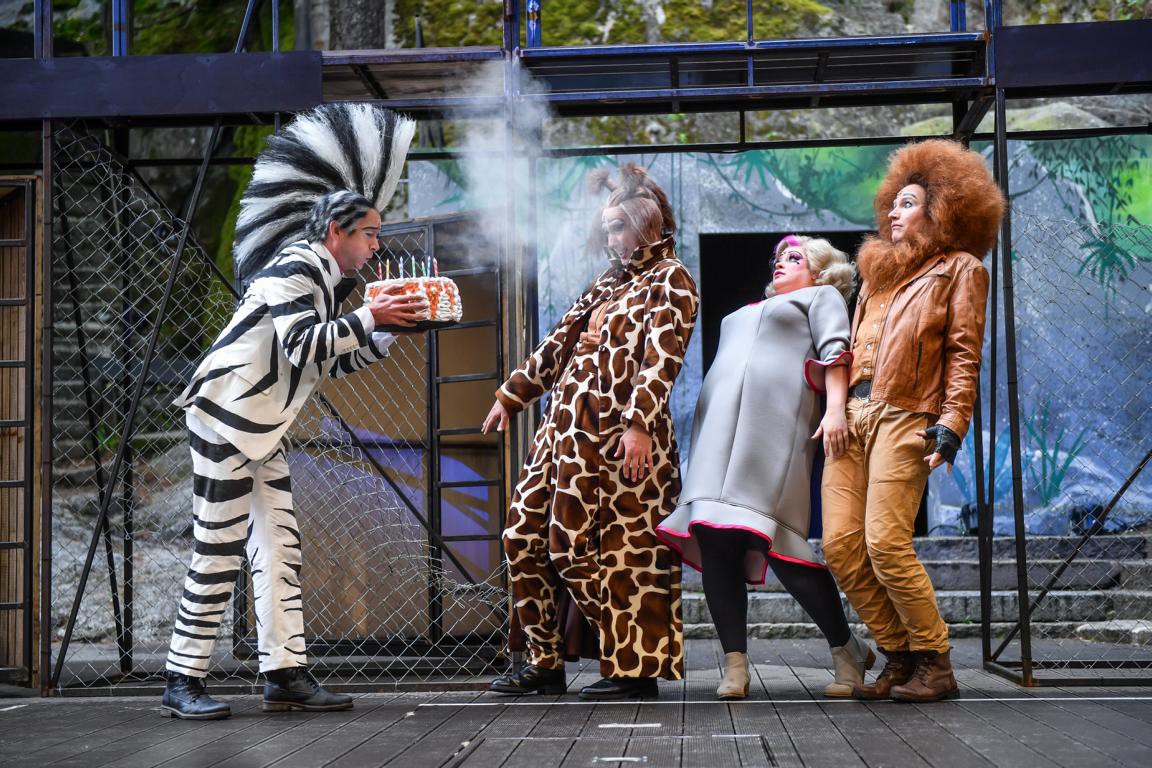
(310, 215)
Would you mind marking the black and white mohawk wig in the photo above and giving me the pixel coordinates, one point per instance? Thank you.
(344, 146)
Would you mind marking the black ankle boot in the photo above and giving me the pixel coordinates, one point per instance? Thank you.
(530, 679)
(295, 688)
(615, 688)
(186, 697)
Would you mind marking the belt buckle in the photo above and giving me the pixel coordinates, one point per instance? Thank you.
(863, 390)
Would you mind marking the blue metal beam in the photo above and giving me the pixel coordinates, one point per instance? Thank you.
(185, 84)
(973, 39)
(411, 56)
(765, 91)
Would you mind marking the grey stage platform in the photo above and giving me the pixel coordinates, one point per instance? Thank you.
(784, 723)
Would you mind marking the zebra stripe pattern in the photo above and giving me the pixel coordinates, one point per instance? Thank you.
(342, 146)
(285, 336)
(240, 508)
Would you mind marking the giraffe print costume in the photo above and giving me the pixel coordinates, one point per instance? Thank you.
(575, 522)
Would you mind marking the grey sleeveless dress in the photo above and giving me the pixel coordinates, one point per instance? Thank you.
(751, 460)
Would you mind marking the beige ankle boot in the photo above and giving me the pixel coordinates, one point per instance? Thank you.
(851, 661)
(735, 682)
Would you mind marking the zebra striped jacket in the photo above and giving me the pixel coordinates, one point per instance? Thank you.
(286, 334)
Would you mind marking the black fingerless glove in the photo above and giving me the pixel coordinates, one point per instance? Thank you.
(947, 441)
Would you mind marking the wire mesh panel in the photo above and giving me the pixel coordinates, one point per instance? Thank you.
(384, 596)
(1083, 304)
(112, 246)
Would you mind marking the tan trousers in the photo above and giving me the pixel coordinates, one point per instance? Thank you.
(870, 498)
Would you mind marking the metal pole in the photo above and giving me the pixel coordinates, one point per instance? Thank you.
(28, 419)
(518, 333)
(276, 27)
(121, 27)
(432, 496)
(957, 12)
(749, 64)
(42, 49)
(533, 28)
(988, 521)
(121, 199)
(983, 531)
(1013, 397)
(511, 28)
(992, 20)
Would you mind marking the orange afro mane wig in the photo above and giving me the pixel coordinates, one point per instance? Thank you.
(964, 203)
(963, 211)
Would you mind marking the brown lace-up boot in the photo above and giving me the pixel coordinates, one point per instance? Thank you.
(932, 681)
(898, 669)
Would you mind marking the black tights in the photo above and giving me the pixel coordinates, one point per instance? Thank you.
(722, 556)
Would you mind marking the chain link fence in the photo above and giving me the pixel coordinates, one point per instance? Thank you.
(1083, 311)
(399, 583)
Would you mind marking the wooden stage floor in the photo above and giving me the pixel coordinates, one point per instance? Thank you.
(784, 723)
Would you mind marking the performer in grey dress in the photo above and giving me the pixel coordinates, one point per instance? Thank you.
(745, 505)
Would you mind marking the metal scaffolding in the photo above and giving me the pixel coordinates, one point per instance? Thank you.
(973, 71)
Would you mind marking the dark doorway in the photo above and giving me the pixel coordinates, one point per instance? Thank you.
(734, 269)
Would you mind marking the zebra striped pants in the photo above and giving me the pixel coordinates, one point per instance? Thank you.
(239, 506)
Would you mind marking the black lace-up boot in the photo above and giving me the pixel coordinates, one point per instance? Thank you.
(296, 688)
(186, 697)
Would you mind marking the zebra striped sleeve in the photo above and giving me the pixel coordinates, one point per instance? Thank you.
(377, 349)
(305, 339)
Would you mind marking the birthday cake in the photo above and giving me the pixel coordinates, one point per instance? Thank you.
(442, 293)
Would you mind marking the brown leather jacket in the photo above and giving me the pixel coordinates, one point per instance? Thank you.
(930, 346)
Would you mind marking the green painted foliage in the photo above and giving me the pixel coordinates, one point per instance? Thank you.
(842, 180)
(1112, 174)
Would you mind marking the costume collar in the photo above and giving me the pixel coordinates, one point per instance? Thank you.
(923, 269)
(647, 255)
(331, 268)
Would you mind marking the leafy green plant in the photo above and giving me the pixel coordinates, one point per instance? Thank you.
(1111, 174)
(1106, 261)
(1050, 458)
(1002, 463)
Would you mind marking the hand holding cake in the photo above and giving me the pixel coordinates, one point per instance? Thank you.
(391, 305)
(439, 298)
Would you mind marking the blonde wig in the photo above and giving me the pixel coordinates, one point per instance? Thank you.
(828, 265)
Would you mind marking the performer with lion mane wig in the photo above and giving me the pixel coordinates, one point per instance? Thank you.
(917, 338)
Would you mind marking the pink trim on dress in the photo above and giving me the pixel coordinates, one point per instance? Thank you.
(812, 361)
(778, 556)
(662, 532)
